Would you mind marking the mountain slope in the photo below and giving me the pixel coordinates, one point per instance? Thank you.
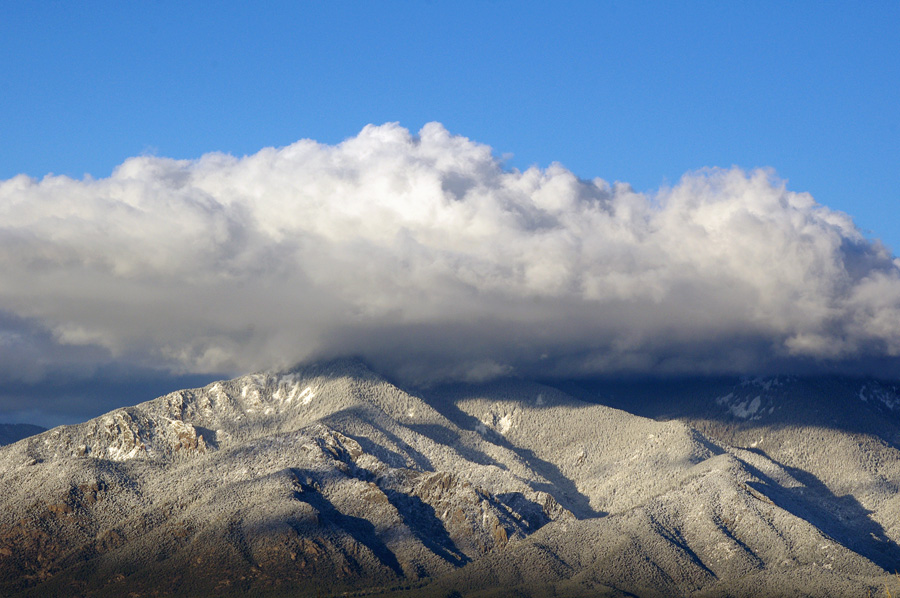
(836, 439)
(329, 479)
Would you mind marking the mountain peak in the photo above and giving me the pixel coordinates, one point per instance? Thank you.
(327, 474)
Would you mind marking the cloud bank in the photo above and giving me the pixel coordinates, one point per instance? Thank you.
(424, 255)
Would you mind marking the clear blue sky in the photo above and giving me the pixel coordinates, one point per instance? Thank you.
(632, 91)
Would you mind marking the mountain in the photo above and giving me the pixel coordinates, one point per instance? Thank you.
(328, 479)
(10, 433)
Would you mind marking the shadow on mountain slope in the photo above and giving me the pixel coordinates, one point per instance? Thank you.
(356, 415)
(359, 529)
(421, 519)
(842, 518)
(561, 488)
(830, 402)
(443, 435)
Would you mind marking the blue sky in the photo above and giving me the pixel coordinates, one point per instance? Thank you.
(640, 92)
(116, 287)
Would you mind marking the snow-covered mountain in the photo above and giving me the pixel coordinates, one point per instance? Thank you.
(329, 479)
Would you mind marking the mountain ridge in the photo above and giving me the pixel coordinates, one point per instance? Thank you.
(329, 474)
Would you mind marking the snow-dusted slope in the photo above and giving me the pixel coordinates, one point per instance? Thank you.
(329, 479)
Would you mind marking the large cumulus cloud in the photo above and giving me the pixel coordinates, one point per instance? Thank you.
(424, 255)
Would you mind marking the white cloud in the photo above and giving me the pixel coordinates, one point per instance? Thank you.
(424, 255)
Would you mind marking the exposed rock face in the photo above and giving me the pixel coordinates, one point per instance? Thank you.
(329, 479)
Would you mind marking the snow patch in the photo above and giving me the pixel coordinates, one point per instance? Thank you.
(879, 393)
(217, 391)
(125, 438)
(743, 409)
(493, 421)
(725, 399)
(250, 392)
(307, 395)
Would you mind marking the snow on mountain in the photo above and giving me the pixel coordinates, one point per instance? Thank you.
(879, 392)
(329, 479)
